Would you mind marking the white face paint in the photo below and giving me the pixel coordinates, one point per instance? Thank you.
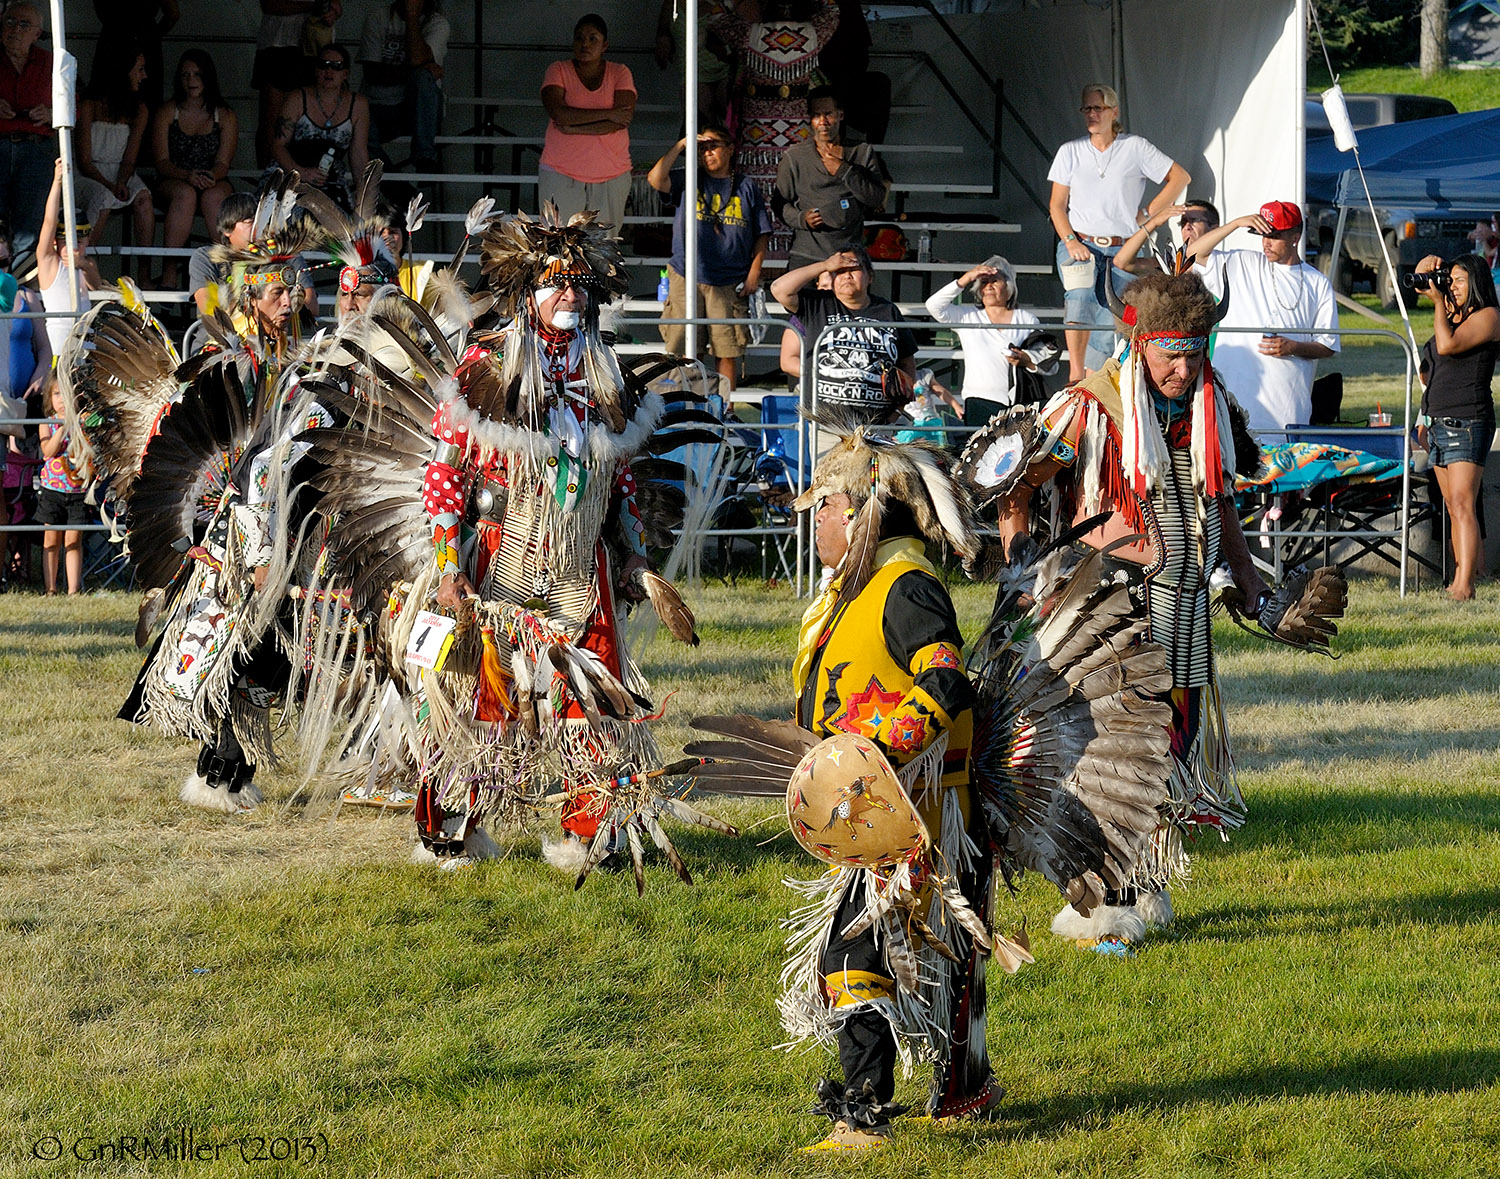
(565, 320)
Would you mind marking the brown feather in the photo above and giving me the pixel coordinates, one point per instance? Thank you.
(669, 607)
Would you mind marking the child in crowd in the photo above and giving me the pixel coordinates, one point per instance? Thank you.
(52, 266)
(206, 277)
(60, 501)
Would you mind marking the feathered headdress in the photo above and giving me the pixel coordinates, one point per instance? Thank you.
(278, 234)
(358, 249)
(884, 481)
(519, 254)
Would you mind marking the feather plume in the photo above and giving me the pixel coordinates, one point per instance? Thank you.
(416, 214)
(669, 607)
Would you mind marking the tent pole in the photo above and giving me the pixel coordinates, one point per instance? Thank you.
(67, 114)
(690, 178)
(1338, 244)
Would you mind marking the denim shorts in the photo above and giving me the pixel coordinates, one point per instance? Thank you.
(1460, 440)
(1081, 308)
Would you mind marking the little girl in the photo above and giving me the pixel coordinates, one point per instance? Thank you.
(60, 500)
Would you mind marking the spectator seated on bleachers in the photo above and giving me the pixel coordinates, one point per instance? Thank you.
(193, 140)
(206, 277)
(111, 131)
(992, 355)
(27, 144)
(323, 132)
(867, 365)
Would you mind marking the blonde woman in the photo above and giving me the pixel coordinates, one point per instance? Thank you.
(1098, 182)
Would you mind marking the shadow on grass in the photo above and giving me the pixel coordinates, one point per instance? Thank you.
(1417, 1074)
(1351, 822)
(1329, 684)
(1242, 922)
(1365, 743)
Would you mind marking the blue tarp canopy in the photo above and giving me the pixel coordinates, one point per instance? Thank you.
(1452, 161)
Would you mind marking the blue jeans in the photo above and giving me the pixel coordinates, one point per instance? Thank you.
(1081, 309)
(25, 180)
(419, 116)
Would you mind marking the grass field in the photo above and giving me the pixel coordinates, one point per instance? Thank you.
(1324, 1006)
(1467, 90)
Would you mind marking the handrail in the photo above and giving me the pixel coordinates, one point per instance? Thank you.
(999, 160)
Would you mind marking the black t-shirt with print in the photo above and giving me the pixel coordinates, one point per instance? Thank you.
(856, 363)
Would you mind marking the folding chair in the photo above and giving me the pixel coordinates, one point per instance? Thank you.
(781, 471)
(1348, 510)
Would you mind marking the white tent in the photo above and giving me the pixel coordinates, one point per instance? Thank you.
(1217, 84)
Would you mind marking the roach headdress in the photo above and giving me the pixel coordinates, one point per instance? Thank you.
(278, 234)
(359, 251)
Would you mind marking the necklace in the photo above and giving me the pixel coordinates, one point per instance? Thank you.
(1276, 289)
(323, 110)
(1102, 158)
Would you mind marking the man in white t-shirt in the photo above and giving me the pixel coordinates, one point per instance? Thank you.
(1273, 289)
(1098, 200)
(403, 77)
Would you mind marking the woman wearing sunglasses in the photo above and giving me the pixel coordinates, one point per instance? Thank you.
(323, 131)
(1098, 200)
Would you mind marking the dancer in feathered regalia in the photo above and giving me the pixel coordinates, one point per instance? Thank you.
(1151, 442)
(1043, 755)
(496, 487)
(535, 450)
(178, 441)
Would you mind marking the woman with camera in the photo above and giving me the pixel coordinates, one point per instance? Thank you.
(1458, 413)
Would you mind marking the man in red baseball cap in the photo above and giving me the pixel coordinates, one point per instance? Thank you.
(1273, 289)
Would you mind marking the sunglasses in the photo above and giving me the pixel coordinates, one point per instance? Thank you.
(712, 145)
(333, 65)
(1192, 221)
(1094, 110)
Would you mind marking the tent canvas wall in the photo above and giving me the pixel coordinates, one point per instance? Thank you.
(1217, 84)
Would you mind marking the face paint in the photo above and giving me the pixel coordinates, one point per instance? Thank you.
(565, 320)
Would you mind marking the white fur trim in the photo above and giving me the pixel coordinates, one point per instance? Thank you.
(1121, 921)
(1155, 908)
(479, 845)
(250, 795)
(197, 792)
(422, 854)
(566, 854)
(605, 448)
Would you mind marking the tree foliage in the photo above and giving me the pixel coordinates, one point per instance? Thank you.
(1366, 32)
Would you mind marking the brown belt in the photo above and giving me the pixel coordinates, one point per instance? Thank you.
(1101, 240)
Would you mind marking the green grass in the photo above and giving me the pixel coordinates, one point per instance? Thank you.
(1324, 1006)
(1468, 90)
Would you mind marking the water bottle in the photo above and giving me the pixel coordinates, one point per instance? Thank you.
(326, 162)
(663, 287)
(924, 246)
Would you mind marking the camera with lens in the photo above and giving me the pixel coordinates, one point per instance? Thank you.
(1438, 278)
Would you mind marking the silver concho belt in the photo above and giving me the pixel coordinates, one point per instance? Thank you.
(489, 499)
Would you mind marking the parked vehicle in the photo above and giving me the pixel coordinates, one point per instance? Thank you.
(1410, 234)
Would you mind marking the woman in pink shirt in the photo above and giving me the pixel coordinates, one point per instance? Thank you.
(590, 102)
